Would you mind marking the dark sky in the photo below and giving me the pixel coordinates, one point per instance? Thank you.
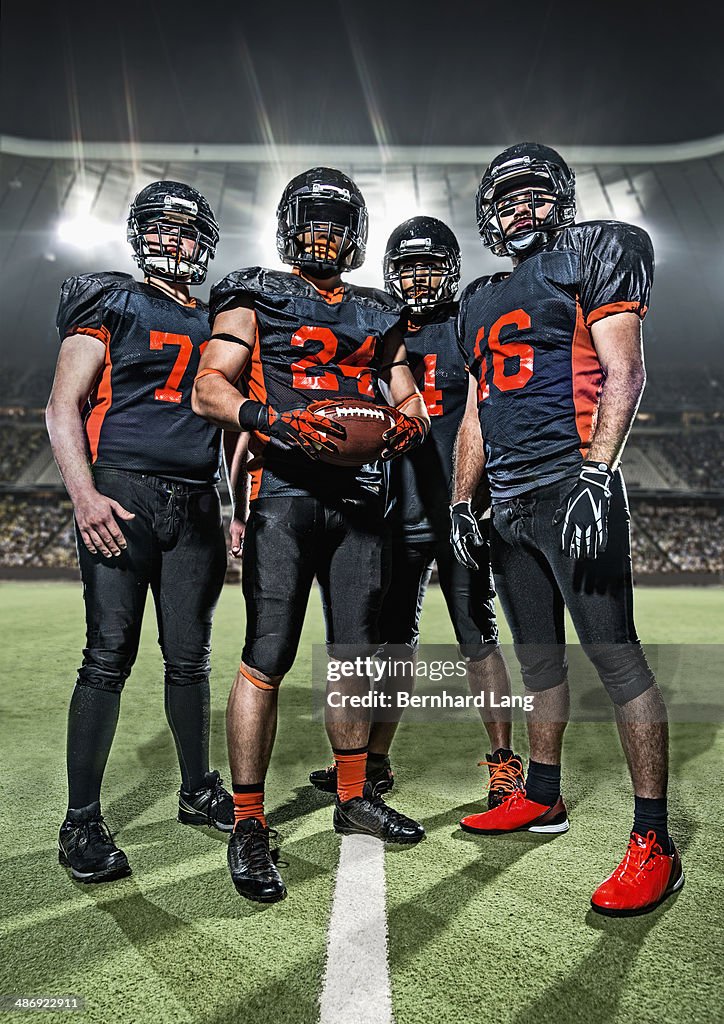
(358, 72)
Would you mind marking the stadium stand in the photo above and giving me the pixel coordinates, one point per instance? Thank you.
(675, 451)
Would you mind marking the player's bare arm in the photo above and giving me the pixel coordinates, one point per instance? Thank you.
(404, 395)
(619, 346)
(469, 454)
(79, 364)
(236, 447)
(215, 396)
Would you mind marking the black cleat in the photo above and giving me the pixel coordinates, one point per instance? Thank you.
(211, 805)
(86, 847)
(506, 775)
(369, 815)
(381, 778)
(251, 863)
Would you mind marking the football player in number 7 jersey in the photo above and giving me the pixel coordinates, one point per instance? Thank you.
(140, 468)
(555, 348)
(422, 268)
(299, 337)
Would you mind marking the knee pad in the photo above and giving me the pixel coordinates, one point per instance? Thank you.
(542, 666)
(478, 652)
(105, 673)
(622, 668)
(269, 654)
(187, 676)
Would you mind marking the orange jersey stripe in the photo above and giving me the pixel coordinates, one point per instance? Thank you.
(586, 380)
(101, 403)
(611, 308)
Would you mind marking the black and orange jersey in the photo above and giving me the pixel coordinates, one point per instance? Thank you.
(139, 414)
(526, 336)
(309, 345)
(420, 481)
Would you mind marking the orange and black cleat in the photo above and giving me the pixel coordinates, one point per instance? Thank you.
(506, 775)
(518, 814)
(644, 879)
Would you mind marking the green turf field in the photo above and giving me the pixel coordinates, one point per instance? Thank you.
(494, 930)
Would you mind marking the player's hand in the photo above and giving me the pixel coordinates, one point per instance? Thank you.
(96, 516)
(465, 533)
(306, 428)
(237, 528)
(303, 427)
(584, 514)
(407, 433)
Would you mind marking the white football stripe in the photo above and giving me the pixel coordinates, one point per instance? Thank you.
(357, 979)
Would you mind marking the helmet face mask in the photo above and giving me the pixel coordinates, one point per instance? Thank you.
(525, 176)
(173, 232)
(421, 265)
(322, 223)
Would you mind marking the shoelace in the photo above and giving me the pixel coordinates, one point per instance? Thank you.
(255, 848)
(94, 829)
(638, 857)
(506, 775)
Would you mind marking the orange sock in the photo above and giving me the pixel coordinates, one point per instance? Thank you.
(249, 803)
(351, 773)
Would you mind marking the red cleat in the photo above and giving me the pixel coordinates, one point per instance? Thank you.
(645, 878)
(518, 814)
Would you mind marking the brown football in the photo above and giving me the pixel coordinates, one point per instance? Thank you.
(365, 424)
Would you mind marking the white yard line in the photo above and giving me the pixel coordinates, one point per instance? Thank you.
(357, 978)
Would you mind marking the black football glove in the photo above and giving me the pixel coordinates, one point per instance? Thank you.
(309, 430)
(465, 533)
(584, 515)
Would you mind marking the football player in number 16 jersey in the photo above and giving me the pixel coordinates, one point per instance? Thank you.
(555, 349)
(140, 468)
(296, 338)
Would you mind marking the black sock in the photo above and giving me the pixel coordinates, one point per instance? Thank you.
(651, 816)
(187, 711)
(92, 720)
(377, 760)
(543, 783)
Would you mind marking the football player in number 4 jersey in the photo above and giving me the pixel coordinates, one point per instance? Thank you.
(555, 350)
(140, 468)
(299, 337)
(422, 268)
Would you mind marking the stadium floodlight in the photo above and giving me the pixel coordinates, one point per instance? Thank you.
(86, 231)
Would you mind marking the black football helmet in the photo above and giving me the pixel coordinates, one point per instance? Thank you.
(525, 173)
(322, 223)
(162, 215)
(412, 248)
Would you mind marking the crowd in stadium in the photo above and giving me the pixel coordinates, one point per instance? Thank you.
(36, 532)
(18, 448)
(697, 456)
(666, 539)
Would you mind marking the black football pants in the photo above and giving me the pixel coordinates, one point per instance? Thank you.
(536, 581)
(290, 540)
(176, 547)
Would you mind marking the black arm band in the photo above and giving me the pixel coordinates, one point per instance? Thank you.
(388, 366)
(232, 337)
(253, 416)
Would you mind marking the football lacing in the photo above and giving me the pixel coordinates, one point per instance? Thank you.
(346, 410)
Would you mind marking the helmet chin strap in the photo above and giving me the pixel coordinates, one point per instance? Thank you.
(322, 271)
(523, 245)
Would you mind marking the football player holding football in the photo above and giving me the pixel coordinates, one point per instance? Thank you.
(140, 468)
(300, 337)
(422, 268)
(556, 350)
